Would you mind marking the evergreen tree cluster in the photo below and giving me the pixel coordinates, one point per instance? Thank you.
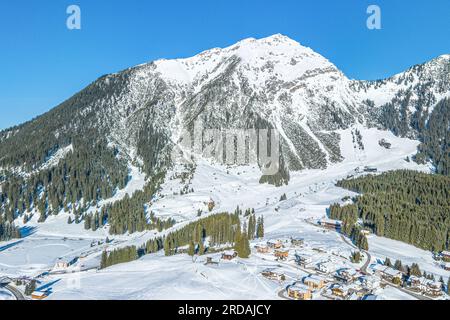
(431, 129)
(117, 256)
(8, 231)
(86, 175)
(30, 287)
(129, 214)
(404, 205)
(219, 229)
(355, 257)
(435, 139)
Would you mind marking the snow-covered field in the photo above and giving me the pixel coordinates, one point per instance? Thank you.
(5, 295)
(309, 194)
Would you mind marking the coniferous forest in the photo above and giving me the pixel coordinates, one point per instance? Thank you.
(404, 205)
(198, 237)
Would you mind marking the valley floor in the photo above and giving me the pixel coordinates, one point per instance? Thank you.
(309, 194)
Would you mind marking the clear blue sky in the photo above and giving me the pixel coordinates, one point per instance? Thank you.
(42, 63)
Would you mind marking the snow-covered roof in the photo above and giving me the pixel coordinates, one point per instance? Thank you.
(261, 245)
(349, 271)
(39, 293)
(330, 221)
(378, 267)
(392, 272)
(275, 270)
(301, 288)
(313, 278)
(229, 252)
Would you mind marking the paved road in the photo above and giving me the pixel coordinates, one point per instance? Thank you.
(16, 292)
(282, 295)
(413, 294)
(369, 257)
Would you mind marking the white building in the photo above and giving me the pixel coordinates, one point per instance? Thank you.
(326, 267)
(370, 282)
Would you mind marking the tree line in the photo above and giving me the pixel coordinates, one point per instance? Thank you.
(197, 237)
(404, 205)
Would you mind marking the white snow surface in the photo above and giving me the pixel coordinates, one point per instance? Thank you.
(309, 194)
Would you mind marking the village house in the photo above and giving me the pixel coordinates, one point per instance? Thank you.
(330, 223)
(273, 274)
(299, 291)
(434, 288)
(370, 169)
(297, 241)
(346, 275)
(377, 268)
(314, 282)
(229, 255)
(424, 285)
(262, 248)
(325, 267)
(370, 282)
(418, 284)
(39, 295)
(392, 275)
(274, 244)
(445, 255)
(302, 259)
(339, 290)
(446, 266)
(281, 254)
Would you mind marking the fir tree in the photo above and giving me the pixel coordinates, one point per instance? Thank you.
(191, 249)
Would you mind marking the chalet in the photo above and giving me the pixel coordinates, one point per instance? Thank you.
(262, 248)
(281, 254)
(370, 282)
(314, 282)
(297, 241)
(299, 291)
(273, 274)
(39, 295)
(445, 255)
(339, 290)
(330, 223)
(302, 259)
(274, 244)
(325, 267)
(418, 284)
(392, 275)
(378, 268)
(229, 255)
(345, 275)
(434, 288)
(446, 266)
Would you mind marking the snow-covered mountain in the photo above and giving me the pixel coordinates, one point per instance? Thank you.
(272, 82)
